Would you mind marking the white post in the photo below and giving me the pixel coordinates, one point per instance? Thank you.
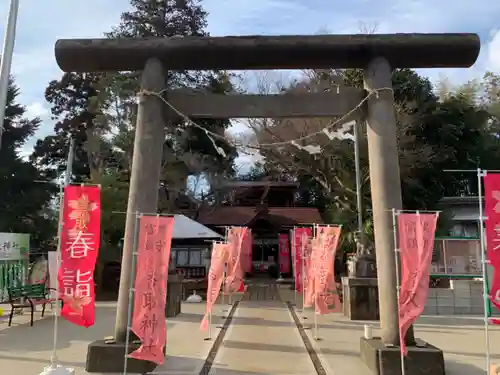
(316, 337)
(302, 276)
(53, 358)
(6, 59)
(131, 290)
(209, 327)
(294, 265)
(223, 309)
(480, 175)
(398, 286)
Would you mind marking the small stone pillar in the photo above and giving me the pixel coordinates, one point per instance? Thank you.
(360, 298)
(174, 294)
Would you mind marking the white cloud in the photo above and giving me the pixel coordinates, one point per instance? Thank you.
(494, 51)
(36, 109)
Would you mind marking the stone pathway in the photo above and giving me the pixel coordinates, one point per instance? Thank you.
(262, 340)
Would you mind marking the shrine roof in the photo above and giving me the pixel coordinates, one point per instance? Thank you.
(258, 184)
(269, 52)
(238, 215)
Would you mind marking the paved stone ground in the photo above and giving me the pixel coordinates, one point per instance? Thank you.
(462, 340)
(262, 339)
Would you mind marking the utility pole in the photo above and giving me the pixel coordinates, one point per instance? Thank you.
(6, 59)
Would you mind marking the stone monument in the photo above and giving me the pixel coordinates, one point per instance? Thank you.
(359, 288)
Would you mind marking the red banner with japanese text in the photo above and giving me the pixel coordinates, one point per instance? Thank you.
(150, 297)
(284, 253)
(301, 238)
(80, 240)
(326, 299)
(220, 255)
(235, 273)
(492, 224)
(416, 242)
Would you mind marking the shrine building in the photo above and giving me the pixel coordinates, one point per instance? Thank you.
(267, 208)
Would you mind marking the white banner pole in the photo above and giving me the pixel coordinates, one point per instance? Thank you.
(292, 249)
(316, 337)
(480, 175)
(397, 255)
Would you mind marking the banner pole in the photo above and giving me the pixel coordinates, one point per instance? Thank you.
(53, 358)
(223, 289)
(480, 175)
(397, 255)
(302, 274)
(209, 327)
(294, 265)
(230, 297)
(131, 291)
(316, 337)
(206, 304)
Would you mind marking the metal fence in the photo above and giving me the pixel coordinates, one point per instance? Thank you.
(456, 256)
(456, 278)
(16, 273)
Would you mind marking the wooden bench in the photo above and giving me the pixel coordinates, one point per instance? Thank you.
(30, 295)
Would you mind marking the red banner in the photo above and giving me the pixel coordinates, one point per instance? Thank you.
(235, 273)
(326, 299)
(80, 239)
(492, 224)
(150, 297)
(301, 237)
(220, 255)
(416, 241)
(284, 255)
(247, 250)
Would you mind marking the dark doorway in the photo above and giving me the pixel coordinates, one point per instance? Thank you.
(265, 249)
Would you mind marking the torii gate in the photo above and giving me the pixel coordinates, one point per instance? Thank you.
(376, 54)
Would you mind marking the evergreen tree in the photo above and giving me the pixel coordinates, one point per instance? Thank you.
(24, 203)
(169, 18)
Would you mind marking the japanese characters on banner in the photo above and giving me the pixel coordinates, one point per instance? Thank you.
(235, 273)
(284, 255)
(301, 238)
(153, 257)
(220, 255)
(326, 299)
(492, 224)
(80, 239)
(416, 241)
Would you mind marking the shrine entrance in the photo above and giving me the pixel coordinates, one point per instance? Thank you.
(376, 54)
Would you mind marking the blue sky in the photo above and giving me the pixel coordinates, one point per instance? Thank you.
(41, 23)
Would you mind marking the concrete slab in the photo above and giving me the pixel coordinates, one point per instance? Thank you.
(461, 339)
(27, 350)
(262, 340)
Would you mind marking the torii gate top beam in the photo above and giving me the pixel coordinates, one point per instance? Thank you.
(269, 52)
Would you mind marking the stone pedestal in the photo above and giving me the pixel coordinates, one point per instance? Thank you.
(422, 359)
(174, 294)
(360, 298)
(104, 357)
